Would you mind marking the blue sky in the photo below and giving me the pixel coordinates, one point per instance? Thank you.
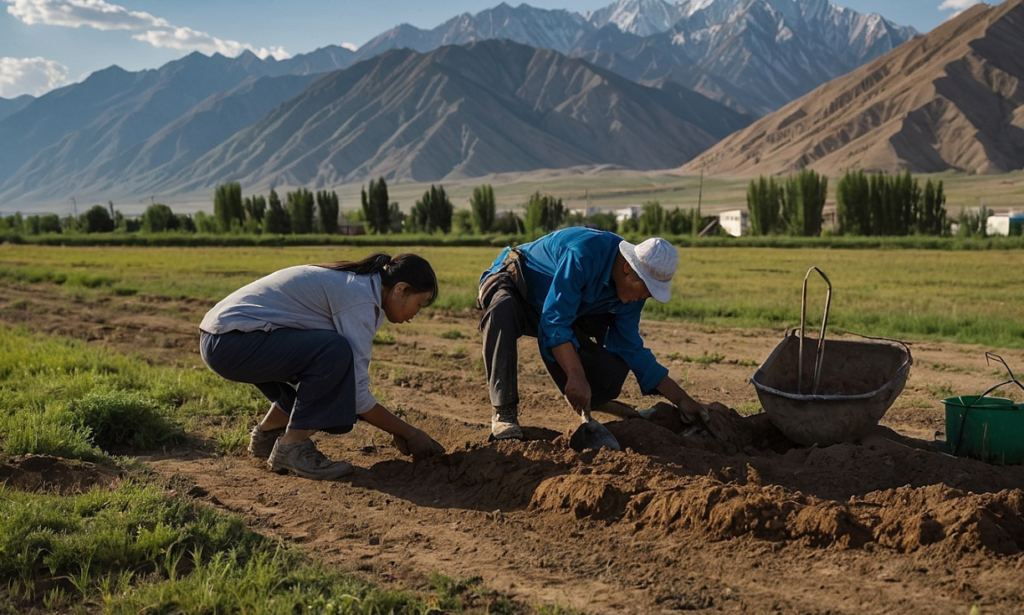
(49, 43)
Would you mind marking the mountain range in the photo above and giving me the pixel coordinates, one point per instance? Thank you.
(459, 111)
(633, 85)
(754, 55)
(950, 100)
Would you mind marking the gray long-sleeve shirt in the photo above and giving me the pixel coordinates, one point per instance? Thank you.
(309, 297)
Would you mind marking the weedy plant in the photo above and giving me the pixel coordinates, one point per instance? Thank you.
(116, 419)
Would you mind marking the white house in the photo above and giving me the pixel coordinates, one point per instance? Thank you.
(1004, 224)
(735, 222)
(586, 212)
(632, 212)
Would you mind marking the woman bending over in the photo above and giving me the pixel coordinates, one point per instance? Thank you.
(303, 336)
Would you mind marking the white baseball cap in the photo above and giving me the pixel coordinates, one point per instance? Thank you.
(655, 261)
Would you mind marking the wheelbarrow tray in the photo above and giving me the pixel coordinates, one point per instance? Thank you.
(858, 382)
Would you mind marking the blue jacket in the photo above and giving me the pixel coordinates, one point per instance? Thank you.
(568, 275)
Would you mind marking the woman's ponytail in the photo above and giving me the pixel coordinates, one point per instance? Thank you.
(410, 268)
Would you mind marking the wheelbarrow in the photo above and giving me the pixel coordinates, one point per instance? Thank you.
(814, 397)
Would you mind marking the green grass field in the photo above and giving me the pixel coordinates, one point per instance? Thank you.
(968, 296)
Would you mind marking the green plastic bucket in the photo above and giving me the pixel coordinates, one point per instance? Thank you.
(986, 428)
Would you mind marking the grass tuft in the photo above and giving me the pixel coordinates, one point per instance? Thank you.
(117, 419)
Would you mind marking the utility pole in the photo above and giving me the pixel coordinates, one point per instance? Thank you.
(695, 220)
(74, 207)
(700, 190)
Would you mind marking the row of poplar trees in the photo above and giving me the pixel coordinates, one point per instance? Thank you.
(890, 205)
(301, 213)
(787, 207)
(879, 204)
(435, 213)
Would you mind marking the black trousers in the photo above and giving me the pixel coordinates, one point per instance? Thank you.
(320, 362)
(506, 317)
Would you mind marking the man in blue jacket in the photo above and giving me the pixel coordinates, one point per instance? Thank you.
(580, 292)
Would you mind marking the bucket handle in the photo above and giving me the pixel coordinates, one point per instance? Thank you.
(820, 353)
(989, 357)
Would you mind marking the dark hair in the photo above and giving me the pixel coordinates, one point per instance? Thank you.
(410, 268)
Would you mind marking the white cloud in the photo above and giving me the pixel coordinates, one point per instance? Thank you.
(957, 6)
(156, 31)
(350, 46)
(34, 76)
(77, 13)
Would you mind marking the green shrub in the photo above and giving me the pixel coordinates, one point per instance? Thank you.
(115, 419)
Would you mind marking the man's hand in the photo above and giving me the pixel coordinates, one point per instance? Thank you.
(577, 393)
(577, 389)
(418, 444)
(691, 412)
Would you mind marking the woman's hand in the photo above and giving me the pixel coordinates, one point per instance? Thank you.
(400, 443)
(418, 444)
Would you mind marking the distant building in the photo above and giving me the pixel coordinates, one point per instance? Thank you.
(1005, 224)
(631, 212)
(829, 218)
(585, 212)
(735, 222)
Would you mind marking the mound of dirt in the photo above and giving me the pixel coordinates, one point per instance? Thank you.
(41, 473)
(668, 482)
(904, 519)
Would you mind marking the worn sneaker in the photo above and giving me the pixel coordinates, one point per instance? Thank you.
(505, 424)
(261, 443)
(303, 458)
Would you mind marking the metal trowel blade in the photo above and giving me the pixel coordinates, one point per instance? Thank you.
(594, 435)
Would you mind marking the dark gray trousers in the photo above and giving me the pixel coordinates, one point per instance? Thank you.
(506, 317)
(308, 374)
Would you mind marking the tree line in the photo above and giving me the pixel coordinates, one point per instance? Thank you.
(305, 212)
(866, 205)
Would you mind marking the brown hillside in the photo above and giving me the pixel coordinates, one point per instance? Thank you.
(950, 100)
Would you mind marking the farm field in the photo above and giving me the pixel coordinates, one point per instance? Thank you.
(675, 523)
(609, 189)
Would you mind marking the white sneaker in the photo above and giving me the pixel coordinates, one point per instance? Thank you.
(306, 460)
(261, 443)
(505, 424)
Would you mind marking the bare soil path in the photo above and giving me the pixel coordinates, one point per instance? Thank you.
(674, 523)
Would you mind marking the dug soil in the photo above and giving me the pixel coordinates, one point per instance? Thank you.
(680, 520)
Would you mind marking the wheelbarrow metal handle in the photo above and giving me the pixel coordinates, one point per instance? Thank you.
(820, 354)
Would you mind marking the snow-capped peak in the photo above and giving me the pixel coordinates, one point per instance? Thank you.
(640, 17)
